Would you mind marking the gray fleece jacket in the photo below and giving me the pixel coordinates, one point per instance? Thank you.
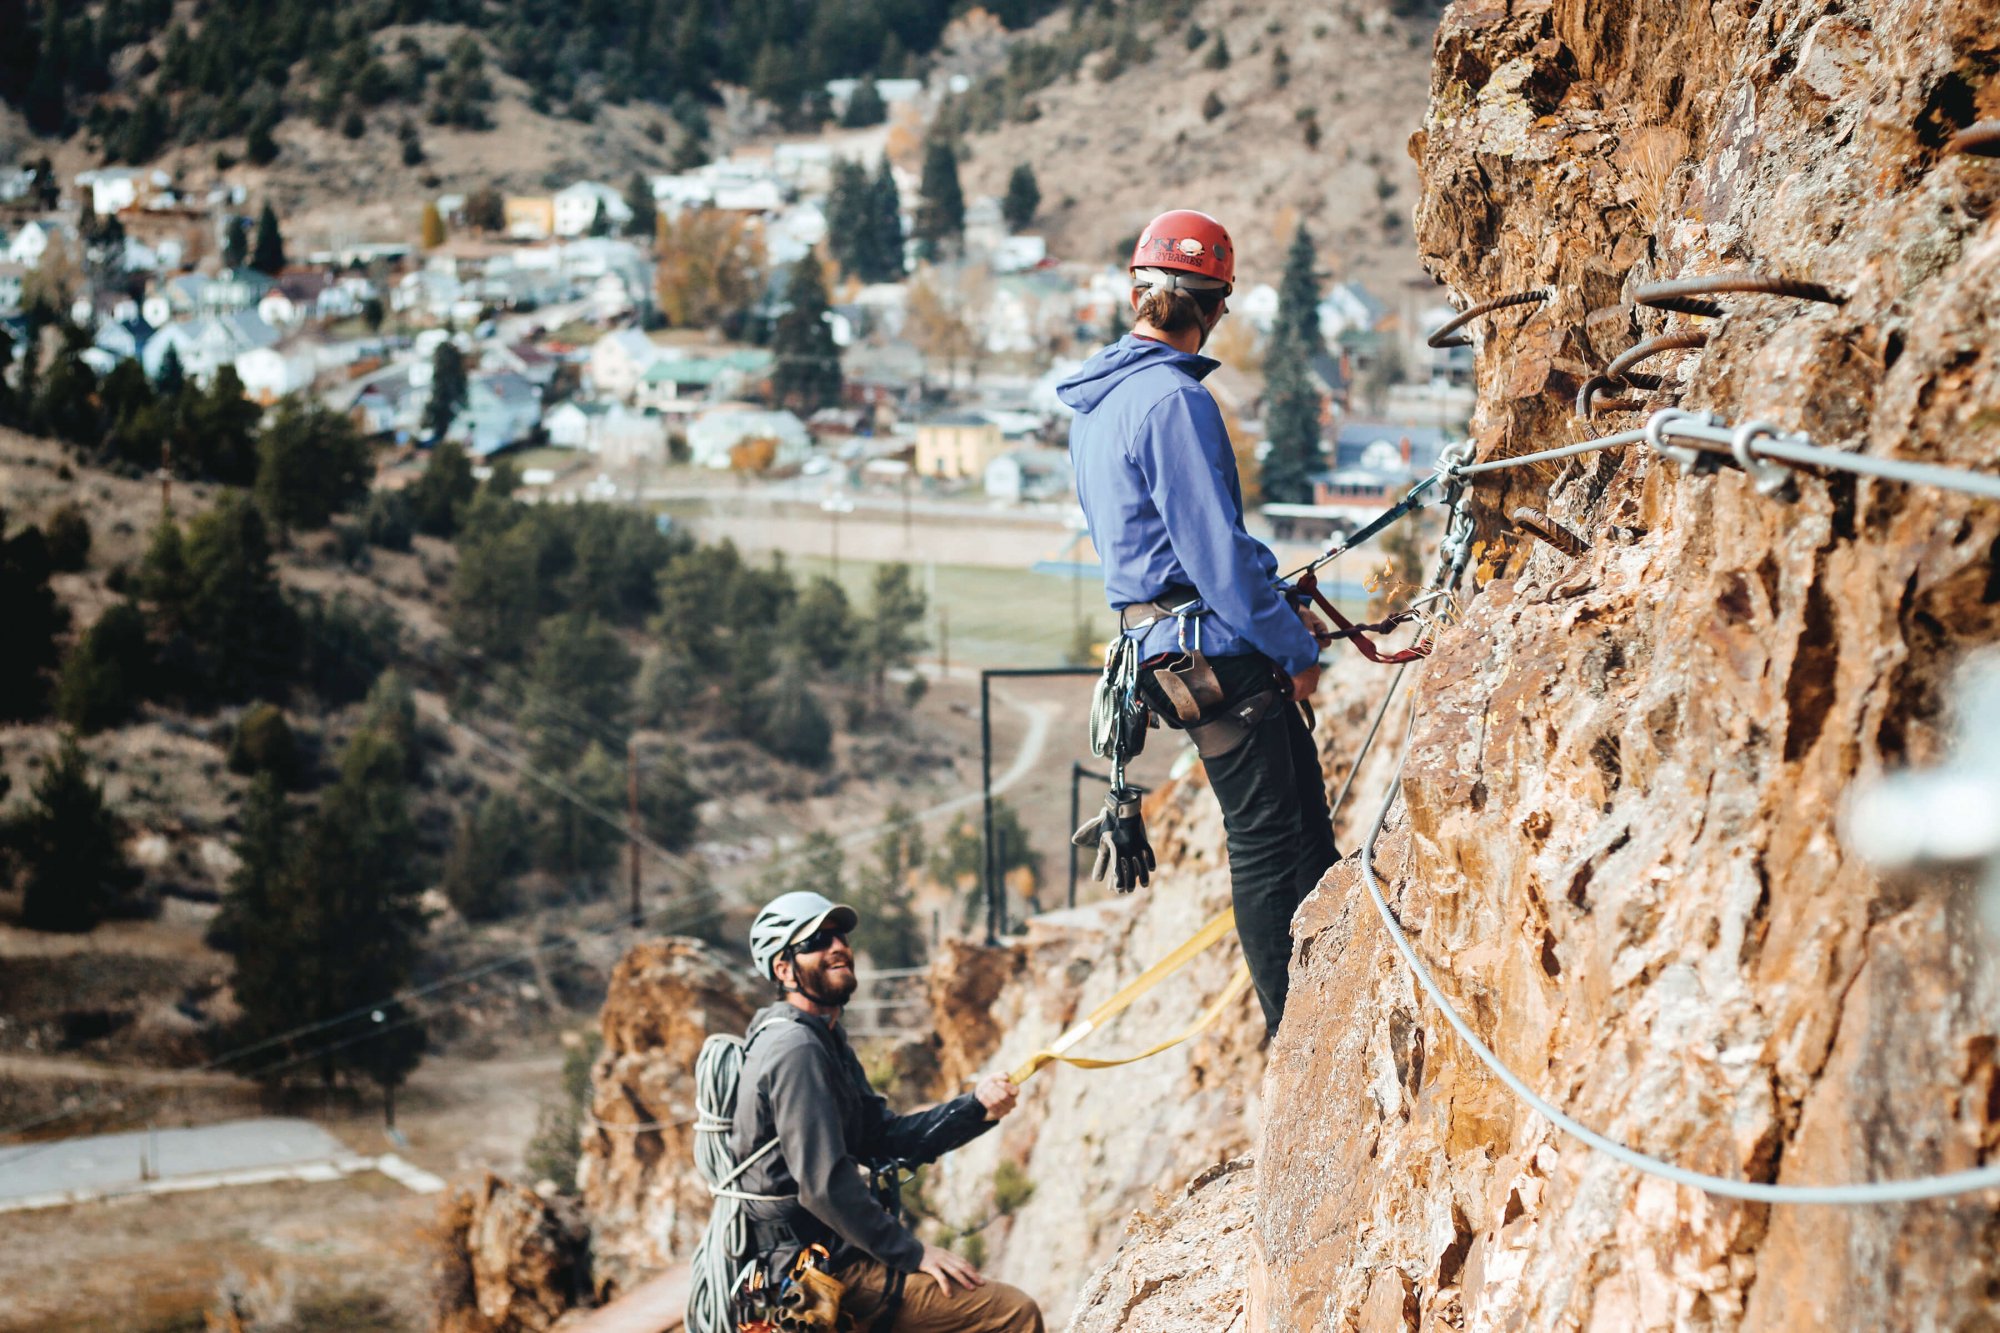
(802, 1082)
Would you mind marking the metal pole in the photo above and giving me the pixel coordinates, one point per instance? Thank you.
(998, 904)
(1075, 821)
(986, 797)
(632, 819)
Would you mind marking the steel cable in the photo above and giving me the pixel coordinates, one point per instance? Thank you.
(1909, 1190)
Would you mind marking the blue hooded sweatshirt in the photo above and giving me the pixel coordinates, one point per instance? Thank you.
(1157, 481)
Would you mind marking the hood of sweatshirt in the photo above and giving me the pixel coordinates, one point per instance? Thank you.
(1084, 390)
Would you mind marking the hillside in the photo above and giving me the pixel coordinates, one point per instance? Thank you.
(1307, 121)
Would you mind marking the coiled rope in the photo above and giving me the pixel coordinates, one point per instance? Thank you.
(718, 1268)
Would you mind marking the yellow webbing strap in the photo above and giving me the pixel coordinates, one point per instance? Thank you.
(1145, 981)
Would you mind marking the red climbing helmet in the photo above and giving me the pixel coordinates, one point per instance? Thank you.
(1184, 241)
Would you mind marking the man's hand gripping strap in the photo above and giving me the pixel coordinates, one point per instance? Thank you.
(1306, 592)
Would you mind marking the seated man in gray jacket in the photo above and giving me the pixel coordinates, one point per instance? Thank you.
(802, 1084)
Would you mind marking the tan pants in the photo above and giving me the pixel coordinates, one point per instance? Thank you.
(993, 1308)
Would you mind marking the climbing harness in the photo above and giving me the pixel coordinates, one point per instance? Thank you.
(1058, 1050)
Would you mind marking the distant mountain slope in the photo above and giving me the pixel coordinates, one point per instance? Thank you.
(1306, 118)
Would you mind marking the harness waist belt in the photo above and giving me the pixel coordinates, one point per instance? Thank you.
(1159, 608)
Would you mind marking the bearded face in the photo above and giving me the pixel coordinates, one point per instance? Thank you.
(827, 976)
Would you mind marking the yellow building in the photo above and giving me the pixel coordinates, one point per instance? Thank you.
(531, 217)
(957, 446)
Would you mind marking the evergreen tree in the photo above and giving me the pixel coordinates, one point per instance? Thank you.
(645, 213)
(940, 222)
(486, 210)
(885, 233)
(264, 852)
(107, 673)
(73, 849)
(1024, 196)
(264, 744)
(807, 375)
(235, 243)
(311, 464)
(245, 633)
(172, 378)
(489, 851)
(850, 207)
(267, 256)
(1291, 401)
(890, 933)
(865, 106)
(33, 619)
(570, 842)
(790, 722)
(894, 633)
(579, 670)
(448, 389)
(441, 494)
(1218, 54)
(338, 923)
(69, 533)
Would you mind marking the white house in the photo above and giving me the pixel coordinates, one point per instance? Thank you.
(32, 242)
(574, 425)
(269, 373)
(712, 437)
(123, 338)
(1257, 306)
(1030, 474)
(619, 361)
(207, 344)
(577, 206)
(1349, 306)
(625, 437)
(112, 189)
(1019, 253)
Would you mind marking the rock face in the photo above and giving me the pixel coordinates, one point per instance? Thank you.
(1619, 852)
(1098, 1144)
(511, 1262)
(646, 1202)
(1187, 1267)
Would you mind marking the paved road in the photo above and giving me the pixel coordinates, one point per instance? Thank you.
(115, 1161)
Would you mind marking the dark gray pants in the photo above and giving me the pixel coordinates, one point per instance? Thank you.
(1279, 832)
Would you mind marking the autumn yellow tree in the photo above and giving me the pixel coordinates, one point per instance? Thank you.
(432, 227)
(709, 267)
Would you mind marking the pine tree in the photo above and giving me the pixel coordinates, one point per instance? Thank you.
(645, 213)
(849, 218)
(311, 465)
(264, 851)
(890, 933)
(447, 485)
(244, 631)
(73, 849)
(268, 255)
(807, 376)
(448, 389)
(570, 842)
(864, 106)
(1024, 196)
(1291, 401)
(489, 851)
(235, 243)
(172, 377)
(894, 632)
(107, 673)
(580, 669)
(33, 619)
(885, 232)
(940, 222)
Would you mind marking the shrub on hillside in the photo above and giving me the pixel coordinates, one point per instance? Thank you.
(107, 673)
(72, 847)
(263, 743)
(68, 538)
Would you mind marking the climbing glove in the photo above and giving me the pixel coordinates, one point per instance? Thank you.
(1119, 834)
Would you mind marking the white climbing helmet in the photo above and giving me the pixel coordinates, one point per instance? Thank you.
(789, 918)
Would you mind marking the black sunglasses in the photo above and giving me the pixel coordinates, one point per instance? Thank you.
(820, 941)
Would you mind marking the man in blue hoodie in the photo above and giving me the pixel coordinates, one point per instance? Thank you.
(1157, 480)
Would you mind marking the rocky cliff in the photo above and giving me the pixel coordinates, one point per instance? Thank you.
(1620, 849)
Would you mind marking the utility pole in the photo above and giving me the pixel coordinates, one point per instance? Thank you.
(632, 820)
(166, 479)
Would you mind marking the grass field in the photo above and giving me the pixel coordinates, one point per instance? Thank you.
(993, 617)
